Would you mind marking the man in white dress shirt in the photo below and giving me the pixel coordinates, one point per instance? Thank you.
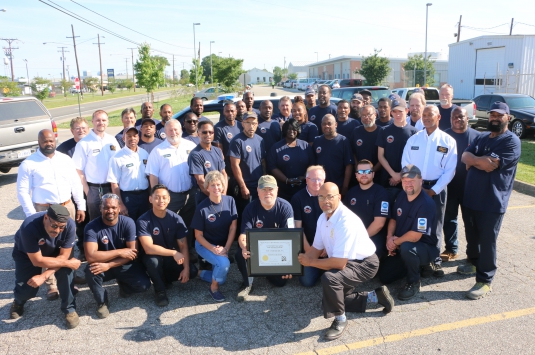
(127, 177)
(49, 177)
(91, 158)
(351, 261)
(435, 153)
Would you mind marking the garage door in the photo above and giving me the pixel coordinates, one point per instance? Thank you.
(488, 62)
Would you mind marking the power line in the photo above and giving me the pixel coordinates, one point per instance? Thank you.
(143, 34)
(487, 28)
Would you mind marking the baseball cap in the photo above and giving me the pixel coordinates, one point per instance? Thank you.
(411, 171)
(129, 128)
(367, 92)
(309, 91)
(250, 114)
(148, 119)
(500, 107)
(267, 181)
(58, 213)
(399, 104)
(357, 97)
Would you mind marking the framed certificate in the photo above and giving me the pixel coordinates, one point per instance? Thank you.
(274, 251)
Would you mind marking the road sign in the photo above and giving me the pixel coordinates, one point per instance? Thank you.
(77, 83)
(111, 73)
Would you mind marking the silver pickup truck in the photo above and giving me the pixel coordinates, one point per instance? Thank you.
(21, 119)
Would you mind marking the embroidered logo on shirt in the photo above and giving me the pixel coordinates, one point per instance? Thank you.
(156, 231)
(207, 164)
(248, 148)
(422, 224)
(163, 135)
(415, 147)
(263, 129)
(229, 135)
(389, 139)
(145, 161)
(167, 156)
(307, 209)
(442, 149)
(285, 157)
(318, 150)
(259, 224)
(494, 155)
(211, 218)
(313, 117)
(384, 207)
(130, 165)
(359, 142)
(112, 147)
(332, 233)
(353, 201)
(400, 211)
(105, 239)
(41, 241)
(188, 151)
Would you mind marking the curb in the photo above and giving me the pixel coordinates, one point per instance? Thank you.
(524, 188)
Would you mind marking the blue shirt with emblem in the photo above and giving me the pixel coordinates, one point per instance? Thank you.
(164, 231)
(363, 144)
(393, 139)
(202, 161)
(417, 215)
(334, 155)
(251, 152)
(346, 127)
(223, 134)
(149, 146)
(463, 140)
(306, 209)
(256, 216)
(309, 131)
(214, 219)
(291, 161)
(110, 237)
(368, 204)
(316, 113)
(270, 131)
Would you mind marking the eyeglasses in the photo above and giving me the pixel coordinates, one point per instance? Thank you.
(315, 180)
(368, 116)
(191, 121)
(207, 132)
(326, 198)
(362, 172)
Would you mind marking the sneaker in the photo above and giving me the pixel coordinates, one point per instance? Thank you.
(217, 296)
(161, 299)
(72, 320)
(16, 310)
(384, 299)
(409, 291)
(427, 271)
(480, 290)
(466, 269)
(79, 280)
(245, 290)
(437, 270)
(448, 256)
(336, 330)
(102, 311)
(122, 291)
(53, 294)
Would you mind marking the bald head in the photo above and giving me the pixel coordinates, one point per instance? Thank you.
(328, 126)
(329, 198)
(459, 120)
(147, 110)
(430, 118)
(47, 142)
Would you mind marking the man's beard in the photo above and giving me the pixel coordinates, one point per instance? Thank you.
(47, 151)
(496, 127)
(354, 113)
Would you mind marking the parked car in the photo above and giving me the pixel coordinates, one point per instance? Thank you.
(345, 83)
(210, 93)
(21, 119)
(347, 92)
(430, 93)
(304, 83)
(521, 107)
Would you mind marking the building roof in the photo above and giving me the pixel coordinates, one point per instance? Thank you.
(487, 37)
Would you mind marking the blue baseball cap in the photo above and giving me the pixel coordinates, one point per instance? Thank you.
(500, 107)
(309, 91)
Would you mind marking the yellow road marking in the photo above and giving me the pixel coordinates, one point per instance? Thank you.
(519, 207)
(421, 332)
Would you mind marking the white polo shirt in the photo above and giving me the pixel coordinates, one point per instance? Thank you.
(92, 156)
(343, 235)
(127, 169)
(435, 155)
(170, 165)
(48, 180)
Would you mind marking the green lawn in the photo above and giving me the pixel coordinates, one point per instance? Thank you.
(526, 166)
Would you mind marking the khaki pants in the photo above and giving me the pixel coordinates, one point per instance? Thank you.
(51, 281)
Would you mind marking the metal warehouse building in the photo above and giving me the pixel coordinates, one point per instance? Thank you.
(492, 64)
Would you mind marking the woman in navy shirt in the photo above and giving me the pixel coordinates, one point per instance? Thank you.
(215, 223)
(309, 130)
(289, 159)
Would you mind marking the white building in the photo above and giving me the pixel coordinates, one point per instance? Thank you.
(256, 76)
(489, 64)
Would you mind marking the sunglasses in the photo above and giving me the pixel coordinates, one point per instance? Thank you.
(191, 121)
(362, 172)
(207, 132)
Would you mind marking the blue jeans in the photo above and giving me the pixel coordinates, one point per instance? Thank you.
(310, 277)
(221, 265)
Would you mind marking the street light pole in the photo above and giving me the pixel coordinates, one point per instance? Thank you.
(77, 69)
(27, 75)
(63, 59)
(211, 73)
(133, 76)
(195, 57)
(425, 58)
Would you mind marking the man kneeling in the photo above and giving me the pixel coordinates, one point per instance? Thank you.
(351, 261)
(110, 250)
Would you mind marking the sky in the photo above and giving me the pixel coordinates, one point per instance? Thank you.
(261, 32)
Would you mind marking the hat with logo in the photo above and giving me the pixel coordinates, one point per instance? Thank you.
(250, 114)
(309, 91)
(398, 104)
(500, 107)
(357, 97)
(267, 181)
(148, 119)
(411, 171)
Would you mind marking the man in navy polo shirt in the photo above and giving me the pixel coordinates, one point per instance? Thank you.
(268, 211)
(491, 162)
(333, 152)
(384, 106)
(370, 202)
(205, 158)
(464, 137)
(355, 105)
(324, 107)
(363, 139)
(268, 129)
(162, 234)
(147, 110)
(345, 124)
(44, 241)
(307, 210)
(285, 110)
(411, 240)
(190, 128)
(248, 99)
(166, 113)
(446, 107)
(111, 252)
(148, 140)
(225, 131)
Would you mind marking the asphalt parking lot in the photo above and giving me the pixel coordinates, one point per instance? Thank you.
(284, 320)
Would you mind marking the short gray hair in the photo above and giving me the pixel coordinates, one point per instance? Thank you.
(212, 176)
(109, 196)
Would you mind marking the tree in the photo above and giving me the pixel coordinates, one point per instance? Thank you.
(374, 68)
(205, 64)
(416, 65)
(150, 69)
(227, 71)
(292, 76)
(92, 84)
(41, 88)
(279, 73)
(112, 85)
(8, 87)
(184, 77)
(128, 84)
(65, 85)
(200, 76)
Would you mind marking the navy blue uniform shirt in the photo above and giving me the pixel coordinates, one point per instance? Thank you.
(309, 131)
(316, 113)
(110, 237)
(393, 139)
(270, 131)
(149, 146)
(68, 147)
(194, 139)
(445, 118)
(368, 204)
(214, 219)
(334, 155)
(306, 209)
(346, 128)
(256, 216)
(463, 141)
(223, 134)
(202, 161)
(417, 216)
(292, 161)
(380, 123)
(251, 152)
(363, 144)
(164, 231)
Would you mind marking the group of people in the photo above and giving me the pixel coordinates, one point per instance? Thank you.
(375, 191)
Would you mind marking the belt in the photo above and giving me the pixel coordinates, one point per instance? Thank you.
(180, 192)
(107, 184)
(48, 204)
(430, 182)
(137, 192)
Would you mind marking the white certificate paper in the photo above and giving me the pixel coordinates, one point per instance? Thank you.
(275, 252)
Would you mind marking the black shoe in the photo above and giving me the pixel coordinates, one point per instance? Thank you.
(336, 330)
(384, 299)
(79, 280)
(244, 292)
(409, 291)
(438, 272)
(122, 291)
(204, 265)
(16, 310)
(161, 299)
(193, 256)
(427, 271)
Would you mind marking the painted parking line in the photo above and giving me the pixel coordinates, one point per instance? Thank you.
(520, 207)
(423, 331)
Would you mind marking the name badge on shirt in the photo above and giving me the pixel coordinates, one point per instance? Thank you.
(130, 165)
(188, 151)
(167, 155)
(384, 207)
(96, 151)
(112, 147)
(414, 147)
(145, 161)
(443, 150)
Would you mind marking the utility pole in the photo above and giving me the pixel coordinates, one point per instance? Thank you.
(100, 59)
(126, 61)
(9, 53)
(459, 29)
(510, 32)
(63, 59)
(174, 77)
(133, 75)
(77, 66)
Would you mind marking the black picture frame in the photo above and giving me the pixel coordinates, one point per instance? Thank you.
(255, 237)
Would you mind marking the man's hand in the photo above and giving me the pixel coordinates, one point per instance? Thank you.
(127, 253)
(430, 192)
(245, 194)
(184, 275)
(287, 277)
(122, 209)
(395, 179)
(246, 254)
(490, 164)
(304, 259)
(179, 258)
(219, 250)
(390, 243)
(80, 216)
(98, 268)
(37, 281)
(74, 263)
(323, 253)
